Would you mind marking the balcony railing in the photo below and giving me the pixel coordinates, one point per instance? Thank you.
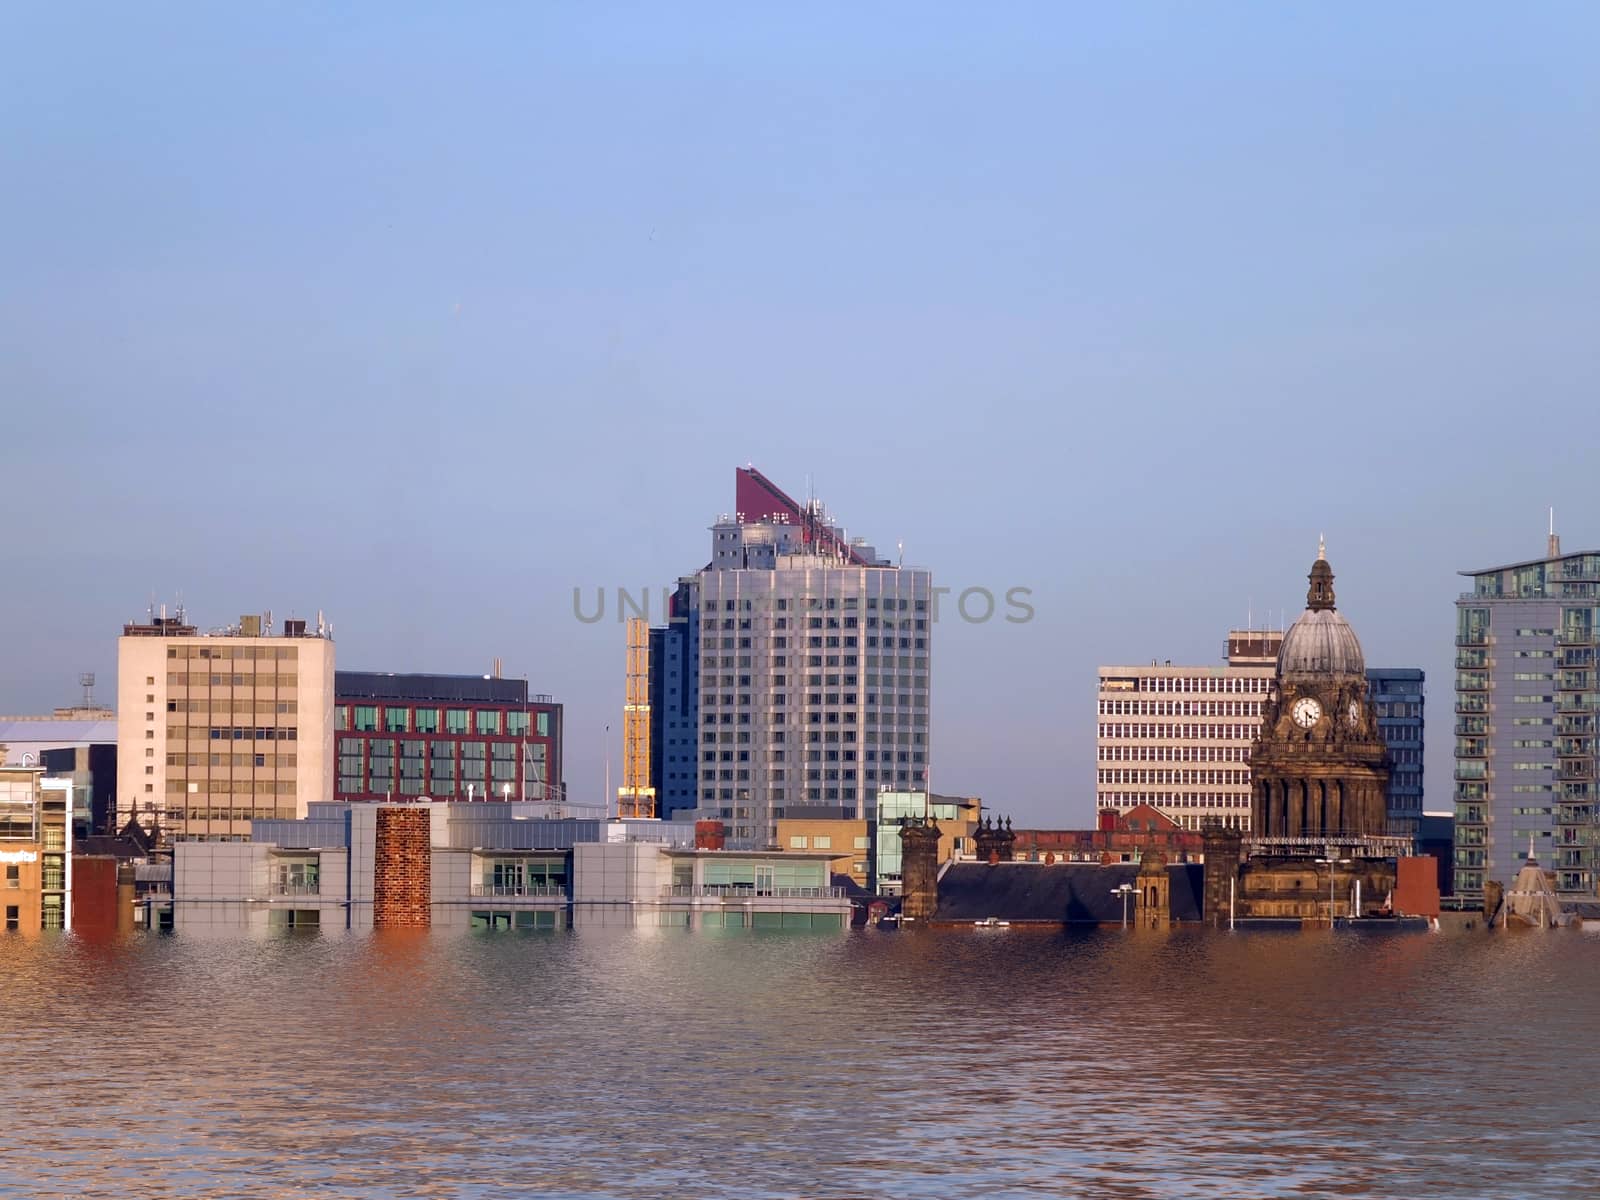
(529, 891)
(296, 889)
(744, 891)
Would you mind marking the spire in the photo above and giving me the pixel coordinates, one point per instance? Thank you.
(1319, 595)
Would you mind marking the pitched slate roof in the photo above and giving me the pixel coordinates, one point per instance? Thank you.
(1062, 893)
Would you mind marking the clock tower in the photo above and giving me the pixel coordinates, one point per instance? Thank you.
(1320, 769)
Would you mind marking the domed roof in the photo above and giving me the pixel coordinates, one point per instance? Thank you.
(1321, 642)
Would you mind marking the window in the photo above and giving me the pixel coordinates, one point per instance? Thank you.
(488, 721)
(455, 720)
(426, 720)
(366, 717)
(822, 841)
(517, 723)
(797, 842)
(396, 719)
(13, 876)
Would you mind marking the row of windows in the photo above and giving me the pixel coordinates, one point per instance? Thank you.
(816, 604)
(710, 796)
(813, 699)
(1164, 732)
(709, 680)
(206, 707)
(744, 662)
(279, 653)
(232, 787)
(810, 774)
(1180, 708)
(372, 718)
(777, 756)
(232, 760)
(1213, 778)
(745, 624)
(1166, 800)
(873, 717)
(1169, 753)
(779, 737)
(234, 733)
(266, 679)
(1187, 683)
(1397, 708)
(383, 749)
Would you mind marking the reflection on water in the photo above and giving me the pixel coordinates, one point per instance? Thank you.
(645, 1063)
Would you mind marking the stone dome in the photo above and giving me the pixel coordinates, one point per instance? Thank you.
(1321, 642)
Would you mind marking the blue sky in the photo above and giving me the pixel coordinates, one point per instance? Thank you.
(424, 317)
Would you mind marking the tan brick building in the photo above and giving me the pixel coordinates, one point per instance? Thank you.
(217, 729)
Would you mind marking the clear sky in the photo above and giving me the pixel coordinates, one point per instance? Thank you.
(424, 316)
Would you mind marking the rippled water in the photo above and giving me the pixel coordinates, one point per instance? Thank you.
(653, 1063)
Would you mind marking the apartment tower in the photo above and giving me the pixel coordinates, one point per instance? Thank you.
(1526, 697)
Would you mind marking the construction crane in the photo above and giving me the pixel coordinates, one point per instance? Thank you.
(636, 797)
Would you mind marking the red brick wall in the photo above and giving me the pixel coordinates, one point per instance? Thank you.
(1416, 889)
(94, 895)
(402, 886)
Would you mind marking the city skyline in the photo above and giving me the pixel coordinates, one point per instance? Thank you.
(1123, 307)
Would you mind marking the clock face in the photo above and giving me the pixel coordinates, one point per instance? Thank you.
(1355, 712)
(1306, 712)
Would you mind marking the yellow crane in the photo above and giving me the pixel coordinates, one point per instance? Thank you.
(637, 797)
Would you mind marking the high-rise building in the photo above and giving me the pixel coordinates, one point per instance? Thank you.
(448, 737)
(1397, 698)
(217, 729)
(813, 682)
(1179, 738)
(1526, 699)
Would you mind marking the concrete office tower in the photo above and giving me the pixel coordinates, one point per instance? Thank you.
(1179, 738)
(217, 729)
(1526, 698)
(814, 652)
(1398, 700)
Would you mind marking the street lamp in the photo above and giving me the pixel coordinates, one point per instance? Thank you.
(1332, 862)
(1124, 891)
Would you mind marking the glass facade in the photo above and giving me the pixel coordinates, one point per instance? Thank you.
(893, 810)
(1397, 700)
(499, 751)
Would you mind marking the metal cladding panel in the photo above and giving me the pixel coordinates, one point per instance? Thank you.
(355, 686)
(298, 835)
(501, 834)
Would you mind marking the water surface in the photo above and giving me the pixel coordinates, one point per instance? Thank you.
(647, 1063)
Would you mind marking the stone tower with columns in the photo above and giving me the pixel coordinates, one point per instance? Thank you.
(1320, 769)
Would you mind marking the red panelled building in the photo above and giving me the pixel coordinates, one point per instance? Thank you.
(447, 737)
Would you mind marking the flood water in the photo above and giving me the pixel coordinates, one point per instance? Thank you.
(649, 1063)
